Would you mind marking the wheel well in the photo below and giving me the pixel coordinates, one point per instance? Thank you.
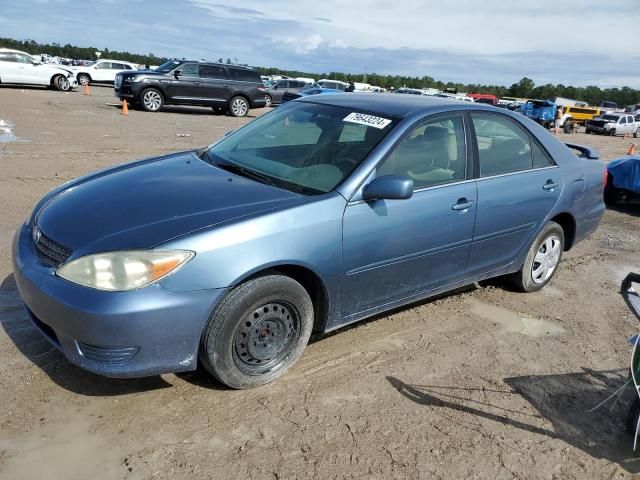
(568, 224)
(52, 77)
(241, 95)
(311, 283)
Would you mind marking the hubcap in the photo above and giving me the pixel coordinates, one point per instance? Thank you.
(239, 107)
(63, 83)
(152, 100)
(264, 337)
(546, 260)
(267, 100)
(83, 80)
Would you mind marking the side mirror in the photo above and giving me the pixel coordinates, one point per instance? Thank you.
(390, 187)
(177, 74)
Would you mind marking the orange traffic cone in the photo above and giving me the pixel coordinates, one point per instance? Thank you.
(86, 90)
(125, 108)
(632, 149)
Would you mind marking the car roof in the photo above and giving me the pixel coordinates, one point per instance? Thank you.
(387, 103)
(113, 60)
(204, 62)
(13, 50)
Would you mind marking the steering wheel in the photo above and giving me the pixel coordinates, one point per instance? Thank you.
(347, 164)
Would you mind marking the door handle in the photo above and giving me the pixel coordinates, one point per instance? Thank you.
(463, 204)
(550, 185)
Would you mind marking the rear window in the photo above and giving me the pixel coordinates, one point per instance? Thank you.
(243, 75)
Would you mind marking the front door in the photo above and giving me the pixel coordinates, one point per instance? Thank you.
(101, 72)
(397, 249)
(185, 87)
(518, 187)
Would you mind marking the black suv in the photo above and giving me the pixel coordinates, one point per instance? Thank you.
(178, 82)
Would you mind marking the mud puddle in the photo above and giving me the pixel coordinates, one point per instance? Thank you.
(516, 323)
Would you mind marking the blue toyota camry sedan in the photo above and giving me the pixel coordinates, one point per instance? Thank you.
(323, 212)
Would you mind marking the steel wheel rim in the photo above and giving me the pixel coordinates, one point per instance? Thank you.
(546, 259)
(239, 107)
(264, 338)
(152, 100)
(63, 83)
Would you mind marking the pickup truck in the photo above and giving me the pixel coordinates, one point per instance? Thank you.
(613, 124)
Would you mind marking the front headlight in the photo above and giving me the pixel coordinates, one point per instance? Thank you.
(123, 270)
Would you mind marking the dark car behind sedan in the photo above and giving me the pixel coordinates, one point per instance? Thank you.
(225, 88)
(323, 212)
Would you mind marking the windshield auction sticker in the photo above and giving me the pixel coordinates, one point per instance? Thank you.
(368, 120)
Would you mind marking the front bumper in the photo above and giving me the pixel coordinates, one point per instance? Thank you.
(129, 91)
(142, 332)
(596, 129)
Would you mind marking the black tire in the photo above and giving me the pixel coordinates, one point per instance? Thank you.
(567, 127)
(268, 101)
(611, 193)
(274, 309)
(587, 131)
(238, 106)
(612, 132)
(151, 99)
(636, 133)
(61, 83)
(632, 417)
(83, 79)
(523, 279)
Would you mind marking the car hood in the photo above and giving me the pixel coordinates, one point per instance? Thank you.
(57, 68)
(147, 203)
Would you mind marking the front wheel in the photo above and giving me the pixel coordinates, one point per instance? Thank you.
(612, 132)
(542, 259)
(587, 131)
(257, 331)
(268, 101)
(84, 79)
(151, 100)
(636, 133)
(238, 106)
(60, 82)
(611, 194)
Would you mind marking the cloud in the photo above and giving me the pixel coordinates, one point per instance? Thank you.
(546, 40)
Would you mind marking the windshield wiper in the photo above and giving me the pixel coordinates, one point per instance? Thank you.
(245, 172)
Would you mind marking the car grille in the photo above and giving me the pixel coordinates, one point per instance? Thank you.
(50, 252)
(108, 355)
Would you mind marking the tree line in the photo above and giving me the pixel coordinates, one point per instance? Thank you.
(525, 88)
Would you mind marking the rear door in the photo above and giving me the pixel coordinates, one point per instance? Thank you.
(9, 71)
(518, 187)
(215, 84)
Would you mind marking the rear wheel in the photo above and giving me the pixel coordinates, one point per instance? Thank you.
(636, 133)
(257, 331)
(611, 193)
(542, 259)
(612, 132)
(568, 127)
(238, 106)
(587, 131)
(151, 100)
(268, 100)
(83, 79)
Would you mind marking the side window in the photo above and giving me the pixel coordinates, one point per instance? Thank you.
(8, 57)
(127, 67)
(213, 71)
(540, 157)
(190, 70)
(243, 75)
(103, 66)
(503, 147)
(23, 58)
(432, 154)
(117, 66)
(622, 120)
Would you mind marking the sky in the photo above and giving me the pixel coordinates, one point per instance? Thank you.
(573, 42)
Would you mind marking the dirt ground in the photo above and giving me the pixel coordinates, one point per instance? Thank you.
(482, 383)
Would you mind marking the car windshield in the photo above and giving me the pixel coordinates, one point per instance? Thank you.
(301, 146)
(168, 66)
(611, 118)
(90, 64)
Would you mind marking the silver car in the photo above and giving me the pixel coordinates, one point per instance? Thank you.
(273, 95)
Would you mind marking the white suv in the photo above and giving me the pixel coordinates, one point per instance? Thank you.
(102, 71)
(21, 68)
